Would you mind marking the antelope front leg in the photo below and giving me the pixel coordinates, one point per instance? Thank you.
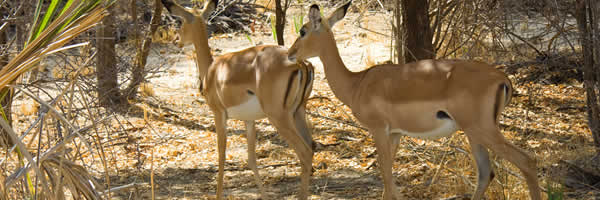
(386, 160)
(251, 138)
(221, 128)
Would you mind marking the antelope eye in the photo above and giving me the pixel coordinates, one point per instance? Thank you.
(302, 32)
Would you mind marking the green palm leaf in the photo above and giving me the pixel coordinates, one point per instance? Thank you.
(74, 18)
(49, 13)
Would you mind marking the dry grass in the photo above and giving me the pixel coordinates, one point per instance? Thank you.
(268, 5)
(147, 90)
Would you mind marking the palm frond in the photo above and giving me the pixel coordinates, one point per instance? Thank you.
(75, 18)
(65, 174)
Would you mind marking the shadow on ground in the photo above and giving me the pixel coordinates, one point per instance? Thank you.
(175, 183)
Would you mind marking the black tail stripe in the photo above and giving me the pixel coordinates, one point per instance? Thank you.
(308, 83)
(502, 92)
(289, 86)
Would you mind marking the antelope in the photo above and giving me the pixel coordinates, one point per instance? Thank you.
(248, 85)
(427, 99)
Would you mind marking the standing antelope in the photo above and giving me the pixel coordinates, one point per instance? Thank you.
(248, 85)
(427, 99)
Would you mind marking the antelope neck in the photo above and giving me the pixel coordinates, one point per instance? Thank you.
(342, 81)
(203, 55)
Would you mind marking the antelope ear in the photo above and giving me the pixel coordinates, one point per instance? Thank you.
(209, 7)
(338, 14)
(314, 16)
(177, 10)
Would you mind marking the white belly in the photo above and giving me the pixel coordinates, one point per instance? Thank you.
(447, 128)
(249, 110)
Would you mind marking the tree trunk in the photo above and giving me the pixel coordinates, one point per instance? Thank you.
(398, 33)
(280, 11)
(587, 19)
(417, 31)
(106, 64)
(138, 73)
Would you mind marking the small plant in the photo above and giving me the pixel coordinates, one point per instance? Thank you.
(249, 39)
(298, 22)
(273, 30)
(555, 191)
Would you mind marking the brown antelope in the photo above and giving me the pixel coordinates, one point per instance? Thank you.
(251, 84)
(427, 99)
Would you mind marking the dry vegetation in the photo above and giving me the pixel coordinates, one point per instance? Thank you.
(164, 145)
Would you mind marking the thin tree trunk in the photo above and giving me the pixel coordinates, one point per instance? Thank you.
(594, 20)
(586, 22)
(417, 31)
(280, 12)
(106, 63)
(398, 33)
(138, 74)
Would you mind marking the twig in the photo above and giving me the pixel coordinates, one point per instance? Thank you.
(372, 31)
(380, 4)
(337, 120)
(152, 173)
(123, 187)
(3, 25)
(31, 163)
(360, 16)
(527, 43)
(221, 11)
(56, 147)
(57, 114)
(211, 169)
(159, 105)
